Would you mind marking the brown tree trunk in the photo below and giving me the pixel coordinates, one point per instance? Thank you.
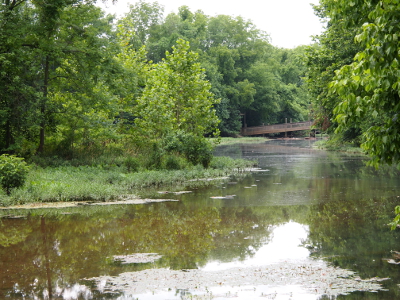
(43, 105)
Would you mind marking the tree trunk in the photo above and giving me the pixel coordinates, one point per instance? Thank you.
(43, 105)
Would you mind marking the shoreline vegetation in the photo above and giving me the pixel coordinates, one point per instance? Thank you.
(112, 179)
(342, 147)
(56, 182)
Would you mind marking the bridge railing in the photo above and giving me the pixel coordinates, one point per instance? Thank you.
(254, 130)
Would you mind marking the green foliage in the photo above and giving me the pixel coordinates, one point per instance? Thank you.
(83, 92)
(53, 60)
(197, 150)
(245, 71)
(132, 164)
(396, 220)
(335, 48)
(177, 97)
(71, 82)
(13, 172)
(154, 157)
(174, 162)
(142, 19)
(367, 88)
(109, 181)
(177, 103)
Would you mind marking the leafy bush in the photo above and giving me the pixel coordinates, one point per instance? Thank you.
(153, 157)
(197, 150)
(132, 164)
(13, 171)
(173, 162)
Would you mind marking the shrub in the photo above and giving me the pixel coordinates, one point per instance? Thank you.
(197, 150)
(132, 164)
(173, 162)
(154, 160)
(13, 171)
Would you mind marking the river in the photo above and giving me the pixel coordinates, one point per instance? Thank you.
(308, 224)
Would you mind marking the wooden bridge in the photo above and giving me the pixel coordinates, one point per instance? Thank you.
(276, 128)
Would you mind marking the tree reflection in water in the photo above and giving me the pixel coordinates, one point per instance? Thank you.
(48, 253)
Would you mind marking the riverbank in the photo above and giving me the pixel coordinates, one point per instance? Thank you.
(112, 182)
(325, 145)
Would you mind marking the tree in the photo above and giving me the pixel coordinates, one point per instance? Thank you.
(142, 19)
(234, 53)
(369, 87)
(53, 58)
(18, 94)
(176, 98)
(334, 48)
(83, 92)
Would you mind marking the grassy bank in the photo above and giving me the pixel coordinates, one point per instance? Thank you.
(110, 182)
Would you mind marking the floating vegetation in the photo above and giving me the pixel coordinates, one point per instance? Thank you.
(314, 277)
(137, 258)
(175, 193)
(126, 199)
(256, 170)
(229, 197)
(210, 179)
(396, 258)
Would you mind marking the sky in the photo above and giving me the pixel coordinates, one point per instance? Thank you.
(289, 23)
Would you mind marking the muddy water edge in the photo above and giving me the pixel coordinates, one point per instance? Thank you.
(308, 224)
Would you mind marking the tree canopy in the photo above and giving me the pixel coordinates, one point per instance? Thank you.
(360, 86)
(73, 79)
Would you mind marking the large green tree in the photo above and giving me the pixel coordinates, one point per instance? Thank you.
(53, 59)
(177, 97)
(368, 88)
(177, 105)
(335, 48)
(18, 95)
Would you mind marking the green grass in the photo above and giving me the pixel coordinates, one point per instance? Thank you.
(109, 182)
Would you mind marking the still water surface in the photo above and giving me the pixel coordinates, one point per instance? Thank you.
(303, 205)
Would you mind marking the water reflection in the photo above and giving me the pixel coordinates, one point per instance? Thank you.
(306, 205)
(285, 244)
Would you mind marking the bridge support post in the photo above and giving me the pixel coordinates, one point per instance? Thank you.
(285, 127)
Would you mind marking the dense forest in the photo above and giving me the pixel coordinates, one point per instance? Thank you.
(74, 79)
